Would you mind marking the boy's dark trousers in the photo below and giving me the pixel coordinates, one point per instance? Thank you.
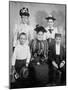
(59, 75)
(56, 76)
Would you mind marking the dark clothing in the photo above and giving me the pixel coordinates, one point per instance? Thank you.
(39, 51)
(39, 73)
(60, 72)
(50, 42)
(53, 56)
(19, 64)
(59, 75)
(22, 71)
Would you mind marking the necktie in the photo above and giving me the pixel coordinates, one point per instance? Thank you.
(50, 30)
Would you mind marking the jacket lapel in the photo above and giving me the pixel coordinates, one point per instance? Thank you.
(61, 52)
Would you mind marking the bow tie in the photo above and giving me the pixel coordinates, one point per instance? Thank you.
(50, 30)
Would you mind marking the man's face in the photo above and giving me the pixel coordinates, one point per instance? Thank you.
(40, 35)
(58, 40)
(50, 23)
(22, 39)
(25, 19)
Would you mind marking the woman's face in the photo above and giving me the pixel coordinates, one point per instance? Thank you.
(25, 19)
(40, 35)
(50, 23)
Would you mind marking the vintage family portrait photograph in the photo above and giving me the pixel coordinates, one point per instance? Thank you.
(37, 44)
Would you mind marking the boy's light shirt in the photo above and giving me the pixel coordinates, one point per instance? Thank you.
(19, 28)
(21, 52)
(50, 35)
(57, 49)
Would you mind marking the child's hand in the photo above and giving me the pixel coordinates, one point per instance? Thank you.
(61, 65)
(12, 70)
(54, 64)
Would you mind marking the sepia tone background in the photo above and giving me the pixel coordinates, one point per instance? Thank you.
(38, 12)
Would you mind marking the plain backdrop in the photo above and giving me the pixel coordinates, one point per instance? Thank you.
(4, 43)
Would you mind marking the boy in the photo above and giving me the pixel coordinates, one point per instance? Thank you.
(21, 55)
(57, 58)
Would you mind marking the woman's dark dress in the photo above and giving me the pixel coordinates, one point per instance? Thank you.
(39, 51)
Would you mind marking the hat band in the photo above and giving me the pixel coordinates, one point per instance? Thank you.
(50, 18)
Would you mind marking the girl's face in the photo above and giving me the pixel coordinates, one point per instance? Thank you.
(22, 39)
(50, 23)
(40, 35)
(25, 19)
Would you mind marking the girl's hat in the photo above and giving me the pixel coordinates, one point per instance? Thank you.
(24, 12)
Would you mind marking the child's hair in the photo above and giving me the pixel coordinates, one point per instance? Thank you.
(22, 34)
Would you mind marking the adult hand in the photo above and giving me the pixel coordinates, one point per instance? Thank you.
(32, 59)
(38, 63)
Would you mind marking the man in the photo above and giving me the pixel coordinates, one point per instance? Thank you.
(57, 60)
(23, 26)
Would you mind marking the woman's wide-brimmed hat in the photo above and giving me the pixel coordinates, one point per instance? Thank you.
(50, 17)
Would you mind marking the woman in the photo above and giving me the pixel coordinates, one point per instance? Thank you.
(51, 30)
(23, 26)
(39, 51)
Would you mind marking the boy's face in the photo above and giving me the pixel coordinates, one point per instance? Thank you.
(50, 23)
(40, 35)
(22, 39)
(58, 40)
(25, 19)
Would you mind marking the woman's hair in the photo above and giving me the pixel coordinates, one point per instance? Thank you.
(40, 28)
